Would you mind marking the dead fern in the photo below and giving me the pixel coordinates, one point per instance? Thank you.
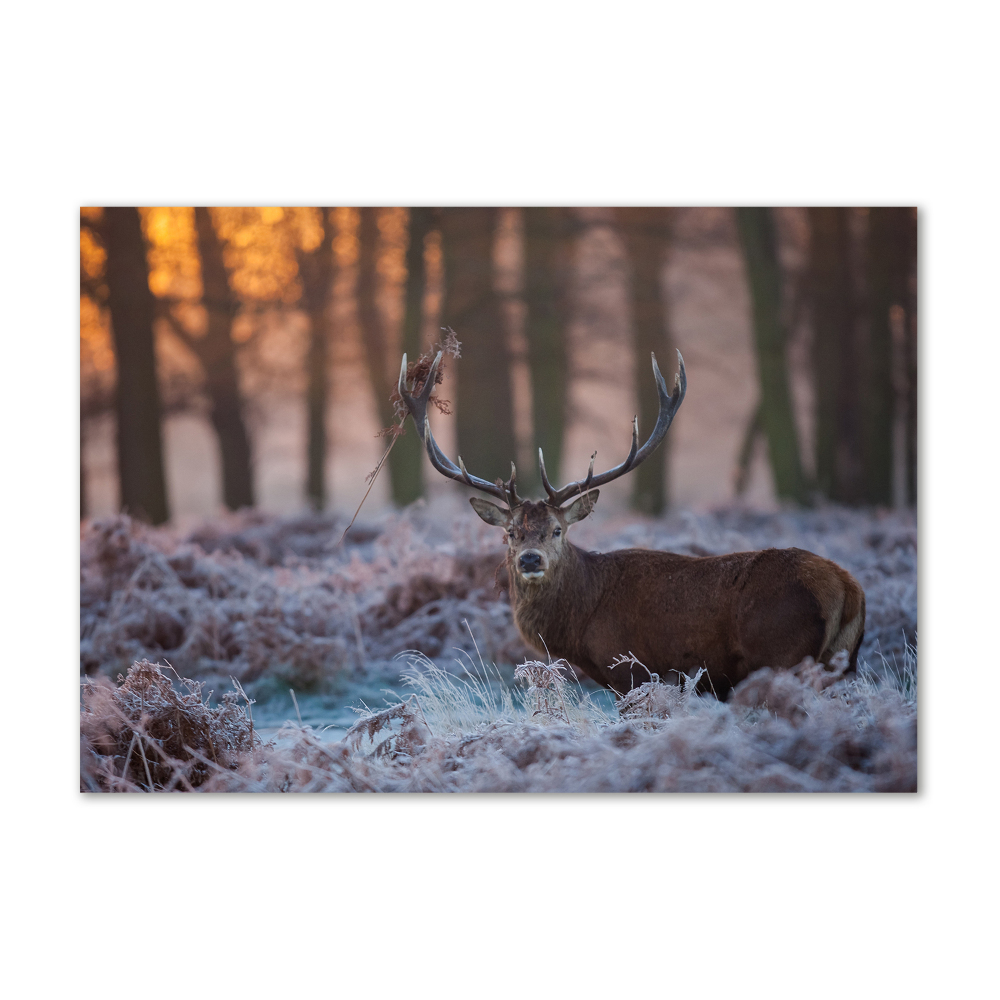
(416, 375)
(654, 700)
(543, 680)
(411, 738)
(147, 734)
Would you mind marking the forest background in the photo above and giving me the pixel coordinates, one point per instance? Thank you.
(240, 357)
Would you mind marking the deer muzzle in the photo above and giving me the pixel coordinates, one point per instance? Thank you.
(531, 564)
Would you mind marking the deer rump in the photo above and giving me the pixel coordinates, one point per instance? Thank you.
(729, 614)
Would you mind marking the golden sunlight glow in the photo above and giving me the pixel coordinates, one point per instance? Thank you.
(392, 227)
(96, 351)
(260, 245)
(345, 240)
(92, 255)
(172, 252)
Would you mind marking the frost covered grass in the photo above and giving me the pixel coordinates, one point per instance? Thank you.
(273, 604)
(806, 729)
(480, 695)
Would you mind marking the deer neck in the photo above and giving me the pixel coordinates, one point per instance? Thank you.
(557, 609)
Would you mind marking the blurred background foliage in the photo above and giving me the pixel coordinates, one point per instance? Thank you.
(262, 344)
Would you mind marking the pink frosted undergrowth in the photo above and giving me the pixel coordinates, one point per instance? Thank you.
(253, 596)
(263, 599)
(806, 729)
(248, 603)
(150, 734)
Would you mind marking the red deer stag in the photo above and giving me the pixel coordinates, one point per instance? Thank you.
(729, 614)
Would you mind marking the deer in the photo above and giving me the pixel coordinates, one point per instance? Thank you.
(622, 616)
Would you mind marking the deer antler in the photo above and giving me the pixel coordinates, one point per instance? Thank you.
(669, 404)
(506, 492)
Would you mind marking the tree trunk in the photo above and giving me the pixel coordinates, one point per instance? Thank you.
(408, 450)
(140, 447)
(911, 367)
(647, 238)
(218, 357)
(316, 270)
(547, 252)
(472, 308)
(835, 357)
(760, 253)
(376, 343)
(83, 478)
(890, 262)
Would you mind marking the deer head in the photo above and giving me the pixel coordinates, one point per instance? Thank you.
(535, 533)
(535, 530)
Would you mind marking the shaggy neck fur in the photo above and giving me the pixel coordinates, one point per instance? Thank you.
(559, 607)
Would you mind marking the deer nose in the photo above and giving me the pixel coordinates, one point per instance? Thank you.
(530, 562)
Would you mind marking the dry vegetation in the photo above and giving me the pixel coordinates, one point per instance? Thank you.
(251, 604)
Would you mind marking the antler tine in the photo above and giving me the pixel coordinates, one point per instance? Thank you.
(401, 385)
(635, 442)
(545, 479)
(459, 473)
(669, 404)
(510, 488)
(416, 404)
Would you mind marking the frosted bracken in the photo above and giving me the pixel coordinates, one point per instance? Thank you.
(269, 601)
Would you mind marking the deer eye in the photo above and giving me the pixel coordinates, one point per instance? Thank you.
(557, 533)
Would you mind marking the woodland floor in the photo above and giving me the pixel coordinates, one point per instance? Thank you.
(275, 605)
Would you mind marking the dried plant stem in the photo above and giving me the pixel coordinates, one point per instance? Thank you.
(128, 756)
(378, 469)
(178, 774)
(211, 743)
(239, 687)
(421, 709)
(145, 764)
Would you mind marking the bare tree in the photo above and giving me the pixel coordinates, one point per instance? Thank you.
(836, 367)
(97, 382)
(646, 232)
(316, 271)
(408, 451)
(911, 367)
(547, 258)
(137, 397)
(472, 308)
(217, 354)
(376, 344)
(760, 253)
(891, 270)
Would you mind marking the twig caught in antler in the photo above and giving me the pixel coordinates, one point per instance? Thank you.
(426, 372)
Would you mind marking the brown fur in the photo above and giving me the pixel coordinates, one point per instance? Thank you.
(730, 614)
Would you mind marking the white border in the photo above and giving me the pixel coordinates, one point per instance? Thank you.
(448, 103)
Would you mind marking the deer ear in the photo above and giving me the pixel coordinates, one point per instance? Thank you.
(490, 512)
(579, 509)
